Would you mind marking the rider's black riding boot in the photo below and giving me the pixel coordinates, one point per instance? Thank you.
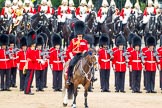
(70, 70)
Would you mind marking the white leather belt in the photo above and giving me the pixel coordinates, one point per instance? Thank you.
(23, 60)
(120, 62)
(4, 59)
(136, 60)
(150, 61)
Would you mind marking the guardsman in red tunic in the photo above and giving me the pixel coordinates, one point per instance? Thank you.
(29, 67)
(39, 70)
(57, 63)
(136, 64)
(160, 63)
(4, 63)
(78, 46)
(104, 62)
(21, 61)
(150, 64)
(129, 50)
(13, 60)
(120, 64)
(46, 57)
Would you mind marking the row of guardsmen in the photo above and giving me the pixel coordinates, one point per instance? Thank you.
(136, 58)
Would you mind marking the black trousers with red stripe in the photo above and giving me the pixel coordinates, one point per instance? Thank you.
(5, 79)
(136, 80)
(120, 81)
(45, 77)
(28, 81)
(150, 80)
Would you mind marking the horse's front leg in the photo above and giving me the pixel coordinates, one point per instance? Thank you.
(75, 95)
(65, 98)
(85, 97)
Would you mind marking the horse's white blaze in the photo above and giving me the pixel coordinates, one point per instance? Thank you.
(66, 97)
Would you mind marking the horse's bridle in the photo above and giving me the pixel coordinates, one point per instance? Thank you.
(85, 74)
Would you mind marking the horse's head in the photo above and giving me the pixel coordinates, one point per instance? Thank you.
(111, 10)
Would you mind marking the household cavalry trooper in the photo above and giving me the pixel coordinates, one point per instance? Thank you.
(137, 9)
(104, 62)
(149, 10)
(102, 12)
(82, 11)
(22, 60)
(45, 8)
(119, 65)
(56, 62)
(28, 8)
(78, 46)
(125, 13)
(4, 63)
(7, 10)
(29, 67)
(71, 9)
(90, 6)
(13, 60)
(136, 64)
(62, 13)
(151, 62)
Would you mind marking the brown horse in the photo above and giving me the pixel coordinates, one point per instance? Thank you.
(81, 75)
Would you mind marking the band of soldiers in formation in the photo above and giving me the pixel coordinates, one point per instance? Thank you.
(34, 56)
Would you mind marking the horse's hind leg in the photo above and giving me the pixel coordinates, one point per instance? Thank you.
(65, 98)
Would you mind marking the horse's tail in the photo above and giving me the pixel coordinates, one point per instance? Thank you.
(70, 91)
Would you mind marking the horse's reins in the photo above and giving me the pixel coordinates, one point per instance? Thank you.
(85, 74)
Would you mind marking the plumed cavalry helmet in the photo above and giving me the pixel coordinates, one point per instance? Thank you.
(56, 40)
(12, 39)
(31, 38)
(90, 39)
(23, 41)
(4, 39)
(151, 41)
(79, 28)
(136, 41)
(104, 40)
(40, 40)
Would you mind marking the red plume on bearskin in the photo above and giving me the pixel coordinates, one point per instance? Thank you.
(31, 38)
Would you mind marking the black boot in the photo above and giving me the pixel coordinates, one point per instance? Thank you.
(68, 80)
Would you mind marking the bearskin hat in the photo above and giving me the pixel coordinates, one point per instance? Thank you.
(31, 38)
(23, 41)
(79, 28)
(151, 41)
(146, 36)
(136, 41)
(56, 40)
(45, 38)
(4, 39)
(120, 40)
(130, 38)
(90, 39)
(160, 40)
(40, 40)
(104, 40)
(12, 39)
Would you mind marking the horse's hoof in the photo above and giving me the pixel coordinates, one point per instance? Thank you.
(64, 104)
(86, 107)
(73, 106)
